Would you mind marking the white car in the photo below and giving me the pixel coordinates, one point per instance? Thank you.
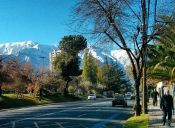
(91, 97)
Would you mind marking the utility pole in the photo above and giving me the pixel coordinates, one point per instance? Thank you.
(144, 44)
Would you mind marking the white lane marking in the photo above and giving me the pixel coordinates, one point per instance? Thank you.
(13, 124)
(81, 115)
(36, 124)
(59, 125)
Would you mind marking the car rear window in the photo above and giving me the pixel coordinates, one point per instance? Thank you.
(119, 97)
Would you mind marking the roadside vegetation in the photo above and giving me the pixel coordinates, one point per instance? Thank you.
(21, 85)
(137, 122)
(12, 101)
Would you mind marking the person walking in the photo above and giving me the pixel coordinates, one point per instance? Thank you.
(154, 96)
(166, 105)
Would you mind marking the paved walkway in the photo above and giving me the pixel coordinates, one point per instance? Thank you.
(155, 114)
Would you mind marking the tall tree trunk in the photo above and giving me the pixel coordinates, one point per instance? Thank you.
(144, 42)
(137, 104)
(66, 88)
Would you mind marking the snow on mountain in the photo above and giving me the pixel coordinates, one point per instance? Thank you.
(15, 48)
(38, 54)
(121, 56)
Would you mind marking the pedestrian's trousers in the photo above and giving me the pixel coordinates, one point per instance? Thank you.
(166, 112)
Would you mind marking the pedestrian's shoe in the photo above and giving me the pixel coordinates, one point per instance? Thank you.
(169, 122)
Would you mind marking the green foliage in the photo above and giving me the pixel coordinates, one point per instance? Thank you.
(72, 44)
(137, 122)
(67, 62)
(162, 56)
(11, 101)
(106, 77)
(68, 65)
(113, 78)
(90, 67)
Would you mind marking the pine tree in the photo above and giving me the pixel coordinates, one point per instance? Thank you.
(112, 77)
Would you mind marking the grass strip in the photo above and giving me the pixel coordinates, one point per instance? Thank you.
(12, 101)
(137, 121)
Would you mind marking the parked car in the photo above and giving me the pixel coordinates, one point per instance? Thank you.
(91, 97)
(119, 100)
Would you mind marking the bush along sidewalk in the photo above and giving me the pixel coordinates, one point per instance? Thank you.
(137, 121)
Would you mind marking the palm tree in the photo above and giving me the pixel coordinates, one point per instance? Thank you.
(161, 60)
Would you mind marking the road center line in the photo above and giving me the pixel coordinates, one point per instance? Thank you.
(81, 115)
(13, 124)
(59, 125)
(36, 124)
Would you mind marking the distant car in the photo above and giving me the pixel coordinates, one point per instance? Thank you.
(91, 97)
(119, 100)
(128, 97)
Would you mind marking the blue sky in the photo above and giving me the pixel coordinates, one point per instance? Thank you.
(41, 21)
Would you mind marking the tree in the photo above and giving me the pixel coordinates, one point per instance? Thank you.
(118, 79)
(124, 24)
(113, 77)
(90, 67)
(72, 44)
(4, 76)
(161, 56)
(67, 62)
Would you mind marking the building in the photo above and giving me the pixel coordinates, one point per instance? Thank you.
(52, 57)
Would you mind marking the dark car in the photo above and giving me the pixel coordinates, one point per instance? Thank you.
(132, 97)
(119, 100)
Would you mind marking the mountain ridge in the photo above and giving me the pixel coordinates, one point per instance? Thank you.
(38, 54)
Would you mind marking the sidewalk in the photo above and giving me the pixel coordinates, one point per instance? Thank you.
(155, 117)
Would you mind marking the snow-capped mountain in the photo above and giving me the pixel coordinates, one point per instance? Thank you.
(38, 54)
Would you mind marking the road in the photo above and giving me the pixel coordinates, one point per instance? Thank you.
(79, 114)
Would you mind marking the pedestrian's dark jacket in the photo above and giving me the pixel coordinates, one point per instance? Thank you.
(166, 102)
(154, 95)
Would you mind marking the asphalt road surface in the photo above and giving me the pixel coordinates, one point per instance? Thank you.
(80, 114)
